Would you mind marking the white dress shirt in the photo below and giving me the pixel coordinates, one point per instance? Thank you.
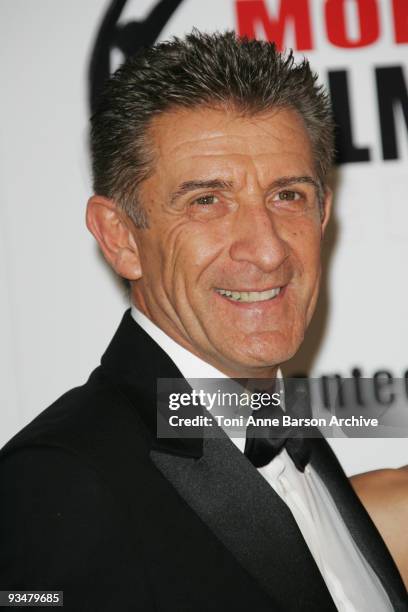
(352, 583)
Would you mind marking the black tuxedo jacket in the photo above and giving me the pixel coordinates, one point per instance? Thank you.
(92, 503)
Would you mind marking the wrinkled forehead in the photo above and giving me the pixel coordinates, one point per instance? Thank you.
(209, 143)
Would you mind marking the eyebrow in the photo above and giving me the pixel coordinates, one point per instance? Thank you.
(283, 181)
(188, 186)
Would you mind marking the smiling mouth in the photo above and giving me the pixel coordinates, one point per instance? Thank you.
(250, 296)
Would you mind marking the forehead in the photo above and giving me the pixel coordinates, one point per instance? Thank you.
(204, 142)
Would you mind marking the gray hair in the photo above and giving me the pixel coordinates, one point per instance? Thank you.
(213, 70)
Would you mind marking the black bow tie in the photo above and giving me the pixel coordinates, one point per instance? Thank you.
(264, 443)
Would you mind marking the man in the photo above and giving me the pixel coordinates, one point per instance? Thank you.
(210, 159)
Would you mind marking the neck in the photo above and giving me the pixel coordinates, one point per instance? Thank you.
(224, 366)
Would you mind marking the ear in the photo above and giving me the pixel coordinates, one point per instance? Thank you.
(327, 207)
(112, 230)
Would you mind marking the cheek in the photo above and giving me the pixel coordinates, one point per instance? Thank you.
(151, 252)
(312, 267)
(196, 246)
(305, 248)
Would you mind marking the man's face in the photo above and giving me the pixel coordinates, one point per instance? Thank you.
(231, 261)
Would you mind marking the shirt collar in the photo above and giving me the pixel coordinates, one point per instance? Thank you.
(189, 364)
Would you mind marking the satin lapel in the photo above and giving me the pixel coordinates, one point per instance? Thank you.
(361, 528)
(228, 493)
(251, 520)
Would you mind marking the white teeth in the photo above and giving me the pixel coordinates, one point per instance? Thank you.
(250, 296)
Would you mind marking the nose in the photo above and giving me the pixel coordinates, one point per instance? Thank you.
(257, 239)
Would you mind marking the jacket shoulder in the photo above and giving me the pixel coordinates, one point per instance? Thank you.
(81, 420)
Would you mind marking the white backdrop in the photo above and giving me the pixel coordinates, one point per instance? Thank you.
(59, 303)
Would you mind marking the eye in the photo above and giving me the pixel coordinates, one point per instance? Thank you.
(287, 196)
(206, 200)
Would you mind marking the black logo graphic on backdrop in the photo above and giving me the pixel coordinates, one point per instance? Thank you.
(127, 37)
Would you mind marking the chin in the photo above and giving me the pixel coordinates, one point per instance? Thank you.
(272, 352)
